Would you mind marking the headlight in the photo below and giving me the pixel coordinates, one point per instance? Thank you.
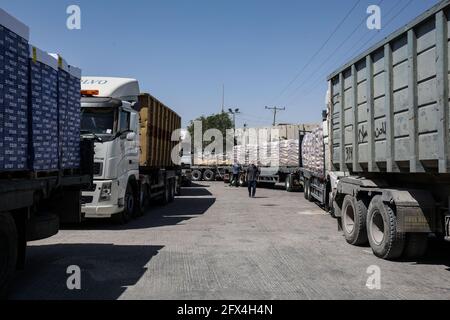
(105, 194)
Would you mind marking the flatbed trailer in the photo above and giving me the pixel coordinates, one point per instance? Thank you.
(33, 207)
(210, 173)
(288, 177)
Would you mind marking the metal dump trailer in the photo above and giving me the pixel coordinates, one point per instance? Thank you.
(159, 175)
(388, 128)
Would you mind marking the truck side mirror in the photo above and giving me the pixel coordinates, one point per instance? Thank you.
(131, 136)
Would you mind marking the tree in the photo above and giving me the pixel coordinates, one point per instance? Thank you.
(221, 121)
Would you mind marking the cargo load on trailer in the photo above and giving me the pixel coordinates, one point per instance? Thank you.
(313, 155)
(43, 163)
(157, 124)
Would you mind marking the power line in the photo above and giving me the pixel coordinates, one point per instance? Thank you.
(319, 50)
(359, 49)
(275, 111)
(333, 52)
(388, 23)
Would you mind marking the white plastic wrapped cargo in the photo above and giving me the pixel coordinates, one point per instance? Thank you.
(44, 111)
(264, 154)
(313, 156)
(14, 37)
(239, 155)
(289, 153)
(251, 155)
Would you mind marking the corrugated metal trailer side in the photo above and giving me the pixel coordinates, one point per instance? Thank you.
(389, 107)
(158, 122)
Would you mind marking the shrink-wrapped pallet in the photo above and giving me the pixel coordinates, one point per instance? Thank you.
(313, 152)
(289, 153)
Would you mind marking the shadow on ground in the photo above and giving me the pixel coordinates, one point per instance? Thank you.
(438, 253)
(195, 192)
(196, 185)
(183, 209)
(106, 271)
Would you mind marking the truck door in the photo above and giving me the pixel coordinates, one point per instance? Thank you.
(129, 147)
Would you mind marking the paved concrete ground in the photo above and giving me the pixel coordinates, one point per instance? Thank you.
(216, 243)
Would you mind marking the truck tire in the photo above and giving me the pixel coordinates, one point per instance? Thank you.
(196, 175)
(416, 245)
(144, 199)
(209, 175)
(354, 218)
(9, 250)
(129, 207)
(307, 191)
(386, 242)
(171, 191)
(290, 183)
(165, 197)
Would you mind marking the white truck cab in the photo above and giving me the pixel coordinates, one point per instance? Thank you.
(108, 114)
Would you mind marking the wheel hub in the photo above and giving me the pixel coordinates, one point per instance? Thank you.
(349, 219)
(377, 228)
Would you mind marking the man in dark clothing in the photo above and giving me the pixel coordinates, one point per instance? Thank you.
(253, 173)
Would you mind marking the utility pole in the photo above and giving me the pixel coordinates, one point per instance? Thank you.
(223, 98)
(275, 111)
(234, 113)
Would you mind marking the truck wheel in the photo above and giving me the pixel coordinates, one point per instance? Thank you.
(165, 198)
(386, 242)
(416, 245)
(129, 207)
(171, 191)
(8, 249)
(354, 217)
(209, 175)
(144, 199)
(290, 183)
(307, 191)
(196, 175)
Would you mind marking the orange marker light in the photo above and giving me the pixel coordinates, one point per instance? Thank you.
(90, 92)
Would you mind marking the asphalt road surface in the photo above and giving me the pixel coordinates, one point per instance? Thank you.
(216, 243)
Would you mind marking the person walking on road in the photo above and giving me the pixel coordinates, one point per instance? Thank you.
(253, 173)
(236, 170)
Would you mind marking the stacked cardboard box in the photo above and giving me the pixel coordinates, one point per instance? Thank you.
(43, 111)
(13, 93)
(39, 105)
(313, 152)
(74, 116)
(69, 114)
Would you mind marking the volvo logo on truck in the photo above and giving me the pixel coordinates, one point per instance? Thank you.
(93, 82)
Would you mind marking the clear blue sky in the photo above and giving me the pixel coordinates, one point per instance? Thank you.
(182, 51)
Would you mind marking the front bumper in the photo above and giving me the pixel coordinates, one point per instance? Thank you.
(92, 207)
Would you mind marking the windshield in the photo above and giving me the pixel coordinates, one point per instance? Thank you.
(97, 120)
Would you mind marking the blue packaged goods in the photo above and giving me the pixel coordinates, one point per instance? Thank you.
(14, 37)
(69, 114)
(44, 111)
